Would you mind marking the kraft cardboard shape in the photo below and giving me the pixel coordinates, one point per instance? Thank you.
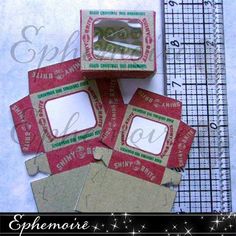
(62, 117)
(118, 44)
(59, 193)
(107, 190)
(149, 128)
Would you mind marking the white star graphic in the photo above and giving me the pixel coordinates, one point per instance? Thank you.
(188, 231)
(95, 228)
(143, 226)
(217, 221)
(114, 226)
(212, 229)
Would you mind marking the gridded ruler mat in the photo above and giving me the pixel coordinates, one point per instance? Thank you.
(195, 74)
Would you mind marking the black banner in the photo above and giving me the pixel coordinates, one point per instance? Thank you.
(117, 224)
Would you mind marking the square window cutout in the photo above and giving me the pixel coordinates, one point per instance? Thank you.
(147, 135)
(119, 39)
(70, 114)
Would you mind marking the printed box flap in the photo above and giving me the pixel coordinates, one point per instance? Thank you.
(63, 159)
(139, 168)
(157, 103)
(54, 76)
(26, 126)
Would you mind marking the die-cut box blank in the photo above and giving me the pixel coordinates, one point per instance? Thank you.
(147, 139)
(62, 117)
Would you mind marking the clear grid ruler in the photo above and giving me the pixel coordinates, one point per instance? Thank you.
(195, 74)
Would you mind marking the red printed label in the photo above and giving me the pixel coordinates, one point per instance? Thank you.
(137, 167)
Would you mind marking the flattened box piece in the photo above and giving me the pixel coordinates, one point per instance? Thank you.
(118, 43)
(149, 128)
(59, 193)
(37, 117)
(107, 190)
(139, 168)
